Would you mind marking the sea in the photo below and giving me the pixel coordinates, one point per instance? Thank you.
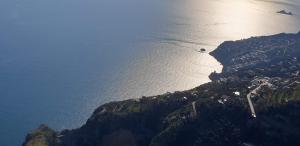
(61, 59)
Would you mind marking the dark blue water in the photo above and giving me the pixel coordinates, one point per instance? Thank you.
(60, 59)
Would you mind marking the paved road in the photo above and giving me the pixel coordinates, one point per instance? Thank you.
(251, 105)
(194, 108)
(249, 98)
(255, 93)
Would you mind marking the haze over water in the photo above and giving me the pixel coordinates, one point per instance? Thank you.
(60, 59)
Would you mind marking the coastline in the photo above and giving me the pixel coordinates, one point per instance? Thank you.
(154, 120)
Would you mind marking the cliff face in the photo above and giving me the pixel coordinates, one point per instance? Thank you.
(264, 70)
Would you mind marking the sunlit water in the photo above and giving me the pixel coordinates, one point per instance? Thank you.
(60, 59)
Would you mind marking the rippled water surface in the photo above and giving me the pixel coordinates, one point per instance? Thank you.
(60, 59)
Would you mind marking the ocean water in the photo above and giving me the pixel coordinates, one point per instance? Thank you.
(60, 59)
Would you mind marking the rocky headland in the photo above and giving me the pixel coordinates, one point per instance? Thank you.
(255, 101)
(284, 12)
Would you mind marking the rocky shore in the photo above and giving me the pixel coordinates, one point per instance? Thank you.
(261, 70)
